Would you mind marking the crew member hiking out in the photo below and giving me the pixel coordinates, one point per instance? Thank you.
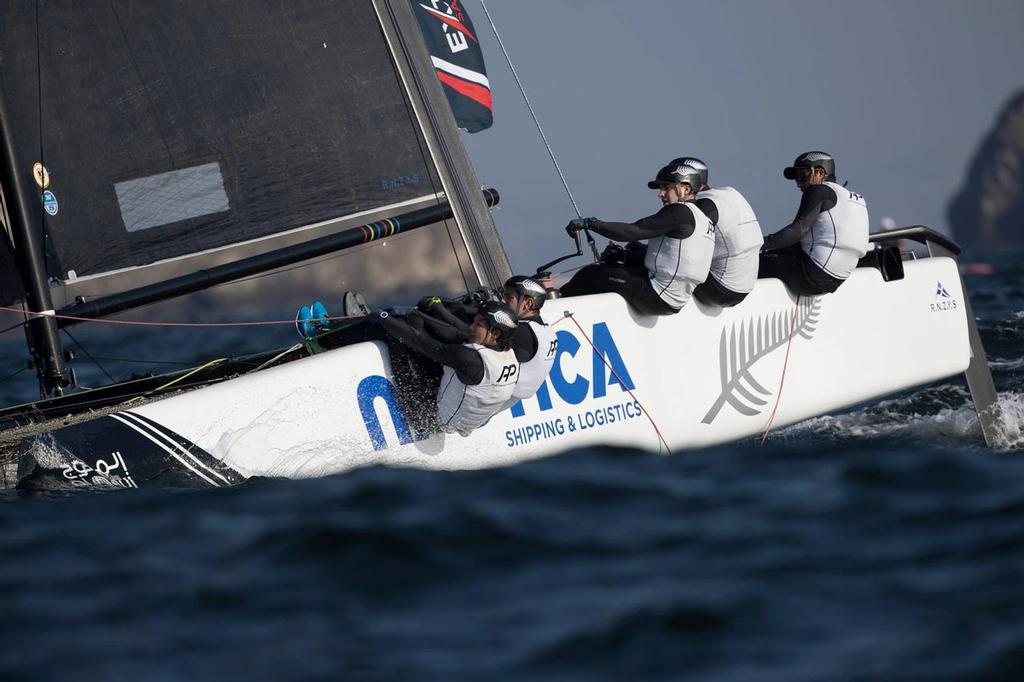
(816, 252)
(473, 370)
(738, 241)
(680, 246)
(533, 342)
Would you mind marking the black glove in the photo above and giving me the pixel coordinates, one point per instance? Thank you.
(479, 297)
(613, 253)
(427, 302)
(575, 226)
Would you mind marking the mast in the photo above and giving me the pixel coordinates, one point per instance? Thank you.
(461, 186)
(23, 208)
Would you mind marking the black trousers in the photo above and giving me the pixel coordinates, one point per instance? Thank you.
(713, 292)
(632, 282)
(417, 378)
(797, 271)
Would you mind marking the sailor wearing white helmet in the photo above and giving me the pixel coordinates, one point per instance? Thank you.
(738, 241)
(478, 376)
(534, 342)
(680, 246)
(816, 252)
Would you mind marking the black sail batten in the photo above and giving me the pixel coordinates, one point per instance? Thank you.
(430, 104)
(204, 279)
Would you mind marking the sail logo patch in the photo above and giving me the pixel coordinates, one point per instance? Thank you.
(745, 343)
(40, 175)
(943, 300)
(50, 202)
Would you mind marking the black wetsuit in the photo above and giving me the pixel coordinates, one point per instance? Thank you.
(410, 339)
(632, 282)
(784, 258)
(456, 313)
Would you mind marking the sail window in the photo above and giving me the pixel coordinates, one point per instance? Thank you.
(172, 197)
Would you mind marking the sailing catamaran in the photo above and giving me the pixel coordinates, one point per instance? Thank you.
(147, 155)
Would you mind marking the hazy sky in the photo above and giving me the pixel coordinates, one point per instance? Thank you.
(900, 92)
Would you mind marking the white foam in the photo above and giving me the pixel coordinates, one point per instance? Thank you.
(954, 424)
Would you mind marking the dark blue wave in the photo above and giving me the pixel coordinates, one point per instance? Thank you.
(884, 543)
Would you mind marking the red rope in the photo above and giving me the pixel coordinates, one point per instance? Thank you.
(137, 323)
(621, 382)
(782, 380)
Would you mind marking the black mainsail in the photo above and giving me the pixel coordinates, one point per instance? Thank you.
(175, 136)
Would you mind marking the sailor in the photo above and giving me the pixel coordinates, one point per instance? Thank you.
(816, 252)
(680, 246)
(738, 241)
(477, 377)
(534, 343)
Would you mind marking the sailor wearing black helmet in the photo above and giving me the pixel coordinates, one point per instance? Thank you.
(680, 245)
(478, 376)
(738, 241)
(816, 252)
(534, 342)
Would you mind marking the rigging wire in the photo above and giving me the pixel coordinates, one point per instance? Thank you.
(529, 106)
(89, 355)
(14, 374)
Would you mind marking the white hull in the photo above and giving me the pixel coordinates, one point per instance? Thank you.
(330, 413)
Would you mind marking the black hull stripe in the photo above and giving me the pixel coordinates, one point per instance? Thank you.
(175, 445)
(135, 427)
(191, 450)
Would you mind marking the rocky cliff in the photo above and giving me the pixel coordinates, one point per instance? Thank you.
(988, 211)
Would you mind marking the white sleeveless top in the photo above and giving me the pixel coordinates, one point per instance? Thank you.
(738, 240)
(839, 237)
(677, 266)
(533, 372)
(462, 408)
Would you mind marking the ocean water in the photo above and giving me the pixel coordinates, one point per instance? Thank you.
(886, 543)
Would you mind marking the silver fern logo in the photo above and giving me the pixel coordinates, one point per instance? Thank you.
(744, 343)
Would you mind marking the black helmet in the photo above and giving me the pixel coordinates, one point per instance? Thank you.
(526, 287)
(693, 162)
(812, 160)
(499, 316)
(678, 173)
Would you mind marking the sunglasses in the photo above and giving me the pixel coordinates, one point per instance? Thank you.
(803, 174)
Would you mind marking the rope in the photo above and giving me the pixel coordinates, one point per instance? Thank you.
(647, 413)
(782, 380)
(211, 363)
(137, 323)
(529, 106)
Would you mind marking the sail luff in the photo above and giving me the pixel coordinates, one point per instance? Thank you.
(430, 105)
(24, 212)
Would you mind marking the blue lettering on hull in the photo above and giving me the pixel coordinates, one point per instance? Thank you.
(371, 389)
(578, 389)
(572, 390)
